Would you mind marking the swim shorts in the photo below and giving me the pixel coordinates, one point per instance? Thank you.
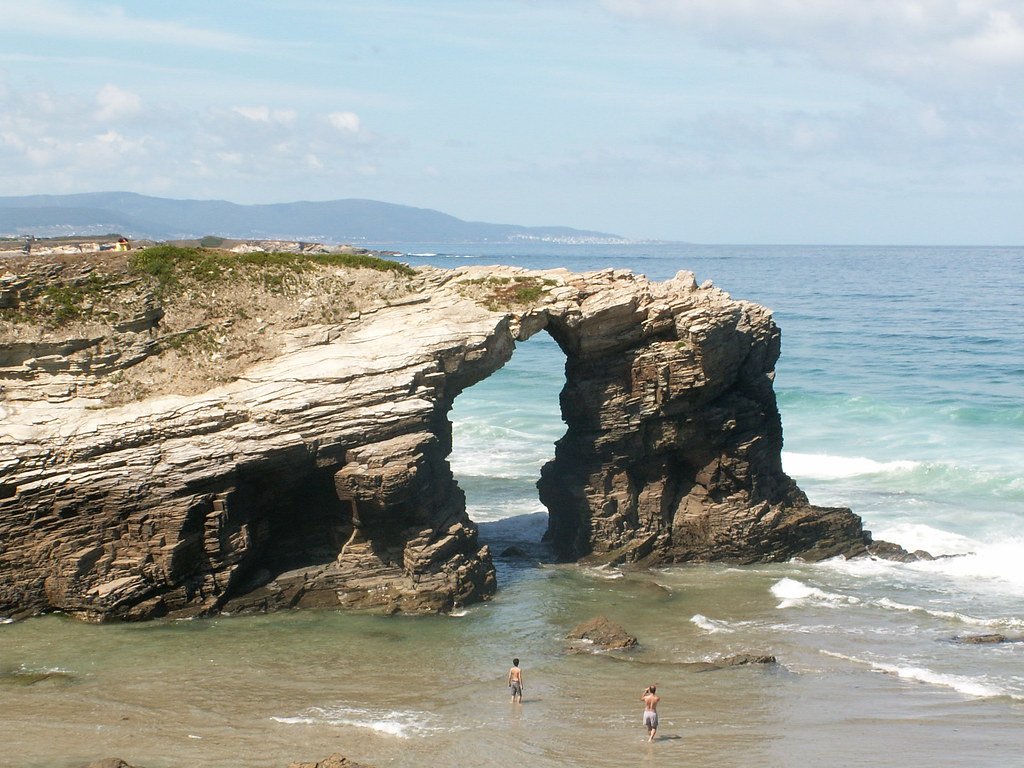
(517, 688)
(651, 719)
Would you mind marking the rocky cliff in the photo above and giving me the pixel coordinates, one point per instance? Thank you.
(317, 473)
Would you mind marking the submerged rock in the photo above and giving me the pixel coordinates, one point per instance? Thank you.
(599, 633)
(27, 677)
(737, 660)
(989, 639)
(334, 761)
(886, 550)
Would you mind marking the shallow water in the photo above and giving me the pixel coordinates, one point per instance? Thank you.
(857, 679)
(901, 392)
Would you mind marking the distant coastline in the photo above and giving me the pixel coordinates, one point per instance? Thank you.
(334, 221)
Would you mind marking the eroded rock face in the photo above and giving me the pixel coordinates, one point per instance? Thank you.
(673, 449)
(601, 633)
(321, 477)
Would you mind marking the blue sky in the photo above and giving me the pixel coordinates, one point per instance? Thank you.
(718, 121)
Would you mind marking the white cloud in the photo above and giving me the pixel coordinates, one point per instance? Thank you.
(284, 116)
(883, 137)
(999, 43)
(115, 103)
(231, 158)
(49, 143)
(256, 114)
(943, 74)
(946, 43)
(932, 123)
(347, 122)
(264, 114)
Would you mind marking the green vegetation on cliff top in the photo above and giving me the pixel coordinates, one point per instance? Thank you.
(170, 263)
(100, 291)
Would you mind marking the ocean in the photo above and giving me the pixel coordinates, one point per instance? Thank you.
(901, 388)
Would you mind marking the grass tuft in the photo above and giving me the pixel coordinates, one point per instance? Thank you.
(170, 264)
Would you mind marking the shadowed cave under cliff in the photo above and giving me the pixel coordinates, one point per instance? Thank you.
(503, 431)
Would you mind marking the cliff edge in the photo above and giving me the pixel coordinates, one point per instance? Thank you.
(312, 470)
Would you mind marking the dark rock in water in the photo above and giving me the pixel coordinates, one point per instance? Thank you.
(990, 639)
(514, 552)
(23, 677)
(602, 634)
(737, 660)
(746, 658)
(110, 762)
(334, 761)
(886, 550)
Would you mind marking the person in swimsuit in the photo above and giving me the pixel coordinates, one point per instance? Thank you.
(650, 700)
(515, 681)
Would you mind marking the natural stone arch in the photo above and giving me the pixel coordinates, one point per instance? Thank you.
(671, 453)
(673, 444)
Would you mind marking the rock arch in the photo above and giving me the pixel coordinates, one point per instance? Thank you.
(188, 505)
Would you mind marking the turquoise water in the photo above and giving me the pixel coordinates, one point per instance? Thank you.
(901, 386)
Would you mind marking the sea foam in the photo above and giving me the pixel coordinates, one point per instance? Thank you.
(991, 565)
(793, 593)
(955, 616)
(828, 467)
(971, 567)
(606, 572)
(403, 724)
(711, 625)
(915, 536)
(968, 686)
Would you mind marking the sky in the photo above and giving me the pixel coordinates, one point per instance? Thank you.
(711, 121)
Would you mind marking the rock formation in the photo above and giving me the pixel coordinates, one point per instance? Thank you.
(674, 441)
(600, 633)
(320, 477)
(334, 761)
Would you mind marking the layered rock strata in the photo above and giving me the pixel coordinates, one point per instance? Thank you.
(674, 441)
(321, 477)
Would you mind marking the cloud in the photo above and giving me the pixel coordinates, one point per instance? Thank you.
(114, 103)
(264, 114)
(938, 44)
(1000, 43)
(937, 89)
(53, 141)
(347, 122)
(877, 146)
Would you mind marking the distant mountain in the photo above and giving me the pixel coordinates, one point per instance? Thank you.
(334, 221)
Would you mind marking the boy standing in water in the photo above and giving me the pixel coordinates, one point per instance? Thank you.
(650, 700)
(515, 681)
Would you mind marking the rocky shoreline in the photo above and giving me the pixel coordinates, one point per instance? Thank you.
(311, 469)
